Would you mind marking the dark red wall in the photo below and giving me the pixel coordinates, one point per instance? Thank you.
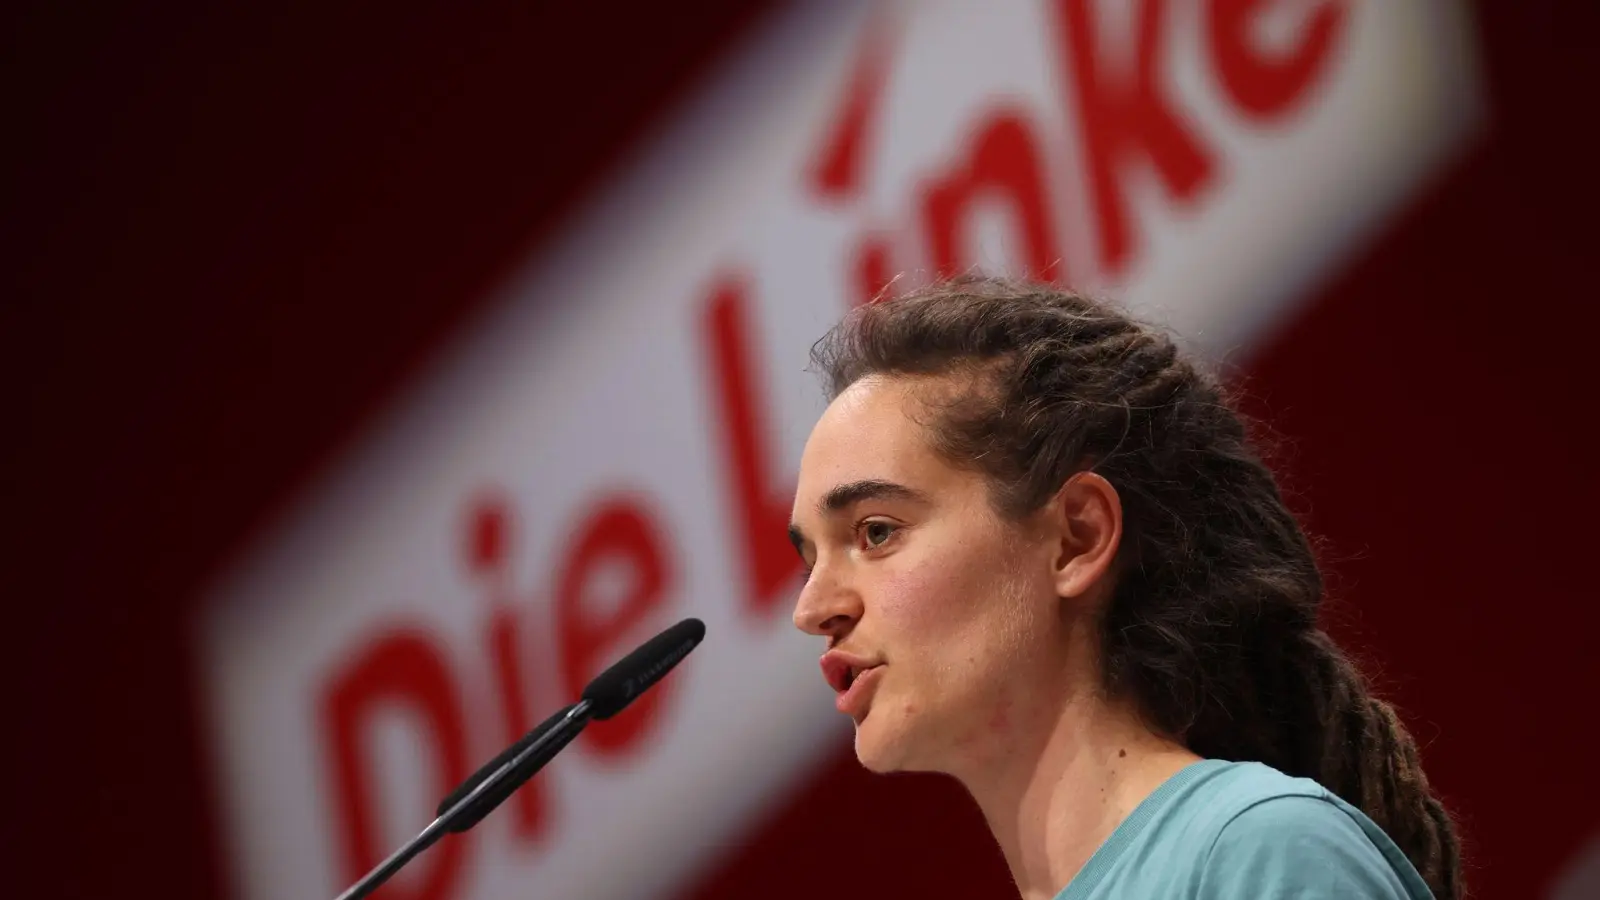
(230, 236)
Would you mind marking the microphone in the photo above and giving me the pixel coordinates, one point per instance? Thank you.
(519, 774)
(607, 694)
(612, 690)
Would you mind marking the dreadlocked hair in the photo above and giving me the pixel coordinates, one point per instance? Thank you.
(1212, 626)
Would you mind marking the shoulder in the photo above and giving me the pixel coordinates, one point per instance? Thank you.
(1222, 829)
(1281, 837)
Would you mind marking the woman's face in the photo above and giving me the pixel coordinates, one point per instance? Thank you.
(943, 620)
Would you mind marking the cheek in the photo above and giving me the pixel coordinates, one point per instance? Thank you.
(949, 611)
(930, 598)
(965, 616)
(908, 602)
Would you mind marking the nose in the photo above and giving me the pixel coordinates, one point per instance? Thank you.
(826, 607)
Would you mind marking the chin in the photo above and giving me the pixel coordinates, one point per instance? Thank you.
(881, 745)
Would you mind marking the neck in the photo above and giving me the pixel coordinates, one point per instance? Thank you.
(1055, 788)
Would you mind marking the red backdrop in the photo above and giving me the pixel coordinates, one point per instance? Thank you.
(201, 302)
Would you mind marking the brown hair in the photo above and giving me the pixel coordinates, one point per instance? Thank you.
(1212, 626)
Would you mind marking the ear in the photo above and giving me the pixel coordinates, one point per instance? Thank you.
(1087, 515)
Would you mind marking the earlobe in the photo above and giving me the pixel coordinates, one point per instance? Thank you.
(1088, 513)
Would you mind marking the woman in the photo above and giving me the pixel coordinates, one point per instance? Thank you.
(1047, 562)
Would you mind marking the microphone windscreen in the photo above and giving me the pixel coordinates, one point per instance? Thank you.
(612, 690)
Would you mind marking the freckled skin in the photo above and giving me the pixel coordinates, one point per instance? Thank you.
(998, 720)
(957, 603)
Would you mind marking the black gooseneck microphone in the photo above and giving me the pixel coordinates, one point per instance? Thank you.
(608, 694)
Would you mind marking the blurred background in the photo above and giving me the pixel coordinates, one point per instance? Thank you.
(376, 376)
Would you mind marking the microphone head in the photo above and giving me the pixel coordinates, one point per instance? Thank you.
(612, 690)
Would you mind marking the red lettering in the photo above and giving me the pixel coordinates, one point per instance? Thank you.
(488, 528)
(617, 532)
(1123, 116)
(873, 277)
(489, 537)
(1264, 86)
(1004, 160)
(759, 512)
(400, 669)
(837, 170)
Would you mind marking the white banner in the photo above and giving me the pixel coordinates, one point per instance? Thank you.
(612, 448)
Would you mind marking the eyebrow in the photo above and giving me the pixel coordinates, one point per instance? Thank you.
(845, 495)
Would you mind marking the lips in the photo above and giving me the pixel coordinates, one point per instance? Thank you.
(858, 696)
(841, 669)
(852, 677)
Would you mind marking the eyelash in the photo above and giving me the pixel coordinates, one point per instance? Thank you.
(858, 529)
(861, 527)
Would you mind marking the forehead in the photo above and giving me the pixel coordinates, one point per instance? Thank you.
(868, 432)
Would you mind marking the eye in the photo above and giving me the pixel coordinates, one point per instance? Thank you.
(876, 533)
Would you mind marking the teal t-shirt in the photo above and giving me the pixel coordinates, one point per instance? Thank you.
(1222, 829)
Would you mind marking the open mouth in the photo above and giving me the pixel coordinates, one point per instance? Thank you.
(860, 684)
(841, 670)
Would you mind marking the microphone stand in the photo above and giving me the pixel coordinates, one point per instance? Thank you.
(575, 719)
